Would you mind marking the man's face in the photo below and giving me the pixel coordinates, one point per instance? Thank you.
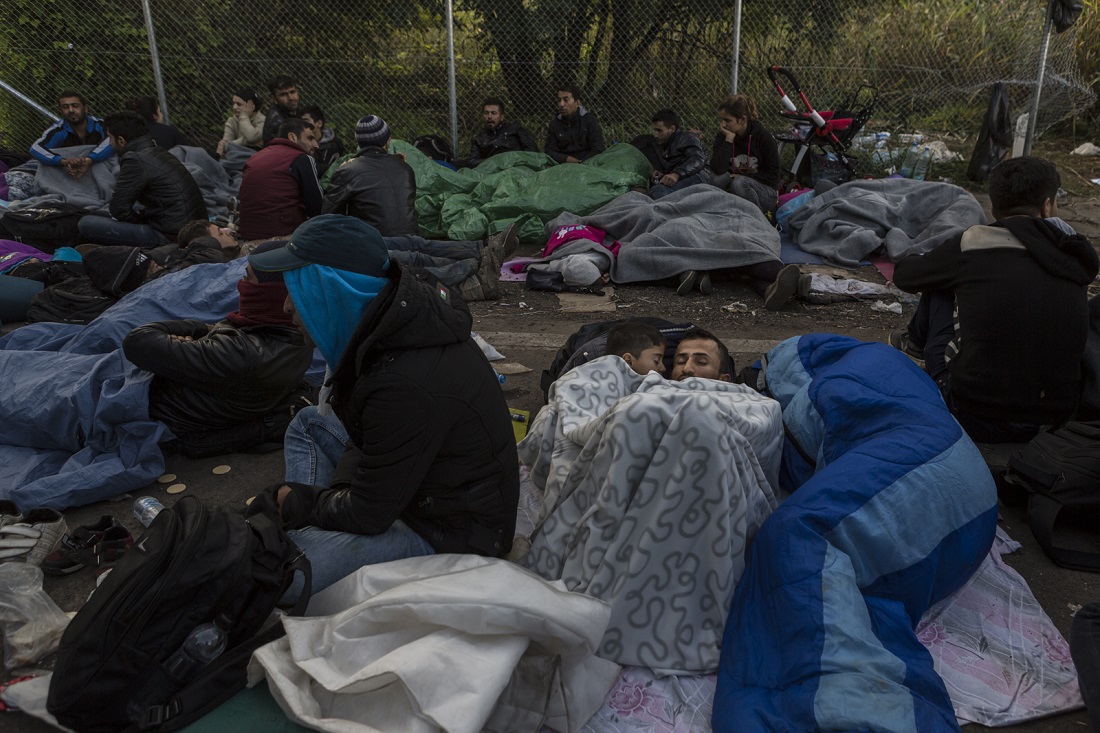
(698, 358)
(318, 125)
(287, 98)
(567, 105)
(649, 360)
(118, 144)
(662, 132)
(72, 109)
(307, 142)
(492, 115)
(224, 236)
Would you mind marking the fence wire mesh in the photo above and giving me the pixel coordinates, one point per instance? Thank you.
(933, 61)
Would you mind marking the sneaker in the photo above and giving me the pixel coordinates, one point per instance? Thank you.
(706, 287)
(116, 541)
(33, 539)
(9, 513)
(784, 287)
(687, 283)
(900, 341)
(504, 244)
(77, 548)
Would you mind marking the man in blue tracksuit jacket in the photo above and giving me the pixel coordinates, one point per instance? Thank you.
(76, 127)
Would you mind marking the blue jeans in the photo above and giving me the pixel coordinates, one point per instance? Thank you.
(104, 230)
(312, 447)
(660, 190)
(451, 262)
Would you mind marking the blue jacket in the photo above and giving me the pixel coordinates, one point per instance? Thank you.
(61, 135)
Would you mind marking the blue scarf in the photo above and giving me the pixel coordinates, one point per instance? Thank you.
(330, 303)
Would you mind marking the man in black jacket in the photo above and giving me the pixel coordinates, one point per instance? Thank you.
(151, 177)
(287, 101)
(1003, 314)
(498, 136)
(375, 186)
(677, 156)
(430, 461)
(574, 135)
(225, 376)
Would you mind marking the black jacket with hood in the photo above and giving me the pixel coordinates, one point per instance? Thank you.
(431, 438)
(378, 188)
(1021, 295)
(579, 136)
(157, 180)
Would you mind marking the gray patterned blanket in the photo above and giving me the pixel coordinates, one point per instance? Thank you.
(652, 491)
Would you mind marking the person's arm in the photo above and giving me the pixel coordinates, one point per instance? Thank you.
(935, 270)
(130, 184)
(767, 158)
(304, 170)
(475, 153)
(375, 482)
(551, 146)
(41, 152)
(336, 195)
(526, 140)
(251, 130)
(593, 134)
(102, 151)
(186, 353)
(271, 125)
(695, 158)
(229, 135)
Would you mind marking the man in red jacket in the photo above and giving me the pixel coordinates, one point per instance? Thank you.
(279, 188)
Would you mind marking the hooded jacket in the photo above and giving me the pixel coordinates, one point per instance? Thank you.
(157, 180)
(431, 441)
(754, 155)
(1021, 295)
(579, 135)
(378, 188)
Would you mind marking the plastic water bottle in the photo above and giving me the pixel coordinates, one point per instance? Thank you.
(910, 161)
(500, 377)
(920, 170)
(202, 646)
(146, 509)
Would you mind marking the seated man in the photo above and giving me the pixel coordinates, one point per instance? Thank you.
(165, 136)
(76, 127)
(329, 147)
(226, 376)
(285, 102)
(151, 177)
(677, 155)
(430, 462)
(640, 345)
(1003, 315)
(279, 187)
(574, 134)
(375, 186)
(498, 136)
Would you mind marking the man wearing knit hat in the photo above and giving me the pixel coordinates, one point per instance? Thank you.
(423, 458)
(375, 186)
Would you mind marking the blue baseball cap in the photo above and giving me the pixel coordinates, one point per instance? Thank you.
(333, 240)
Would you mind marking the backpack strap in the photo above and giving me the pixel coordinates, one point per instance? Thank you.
(1042, 514)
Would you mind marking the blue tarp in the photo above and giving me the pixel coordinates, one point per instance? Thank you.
(893, 509)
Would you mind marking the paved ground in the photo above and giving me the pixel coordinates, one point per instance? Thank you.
(528, 328)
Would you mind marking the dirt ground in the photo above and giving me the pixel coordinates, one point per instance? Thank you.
(528, 327)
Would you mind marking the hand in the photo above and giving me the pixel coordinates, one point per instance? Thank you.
(728, 135)
(280, 497)
(249, 108)
(571, 159)
(178, 337)
(670, 179)
(220, 150)
(79, 167)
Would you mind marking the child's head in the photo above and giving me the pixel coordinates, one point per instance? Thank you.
(639, 344)
(1025, 186)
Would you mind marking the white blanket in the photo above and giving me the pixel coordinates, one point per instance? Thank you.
(652, 491)
(455, 643)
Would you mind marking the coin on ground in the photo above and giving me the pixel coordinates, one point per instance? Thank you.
(219, 470)
(166, 478)
(176, 488)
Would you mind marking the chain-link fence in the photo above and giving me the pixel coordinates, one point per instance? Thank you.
(932, 61)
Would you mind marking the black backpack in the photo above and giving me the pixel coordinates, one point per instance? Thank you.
(1060, 469)
(76, 300)
(194, 564)
(45, 227)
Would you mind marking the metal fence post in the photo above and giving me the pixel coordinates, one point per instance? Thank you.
(1044, 48)
(452, 92)
(735, 64)
(155, 57)
(27, 100)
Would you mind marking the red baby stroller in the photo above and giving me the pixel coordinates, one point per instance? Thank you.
(822, 138)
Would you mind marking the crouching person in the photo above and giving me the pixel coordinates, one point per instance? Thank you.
(230, 385)
(429, 462)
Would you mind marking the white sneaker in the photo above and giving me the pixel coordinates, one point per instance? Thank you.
(32, 539)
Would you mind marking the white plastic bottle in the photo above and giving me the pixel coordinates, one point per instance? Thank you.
(924, 162)
(910, 161)
(146, 509)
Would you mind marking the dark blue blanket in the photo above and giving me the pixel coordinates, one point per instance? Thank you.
(893, 509)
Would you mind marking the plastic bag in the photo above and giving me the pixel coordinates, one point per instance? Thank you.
(31, 622)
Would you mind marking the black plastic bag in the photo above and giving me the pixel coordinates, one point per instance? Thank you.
(995, 138)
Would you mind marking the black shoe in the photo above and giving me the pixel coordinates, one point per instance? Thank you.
(900, 341)
(687, 283)
(706, 287)
(784, 287)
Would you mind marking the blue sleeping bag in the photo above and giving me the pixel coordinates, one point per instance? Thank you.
(893, 509)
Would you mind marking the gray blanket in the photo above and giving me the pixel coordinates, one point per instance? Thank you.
(92, 192)
(698, 228)
(851, 221)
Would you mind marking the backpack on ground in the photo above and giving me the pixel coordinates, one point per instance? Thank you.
(45, 227)
(193, 565)
(1060, 469)
(76, 300)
